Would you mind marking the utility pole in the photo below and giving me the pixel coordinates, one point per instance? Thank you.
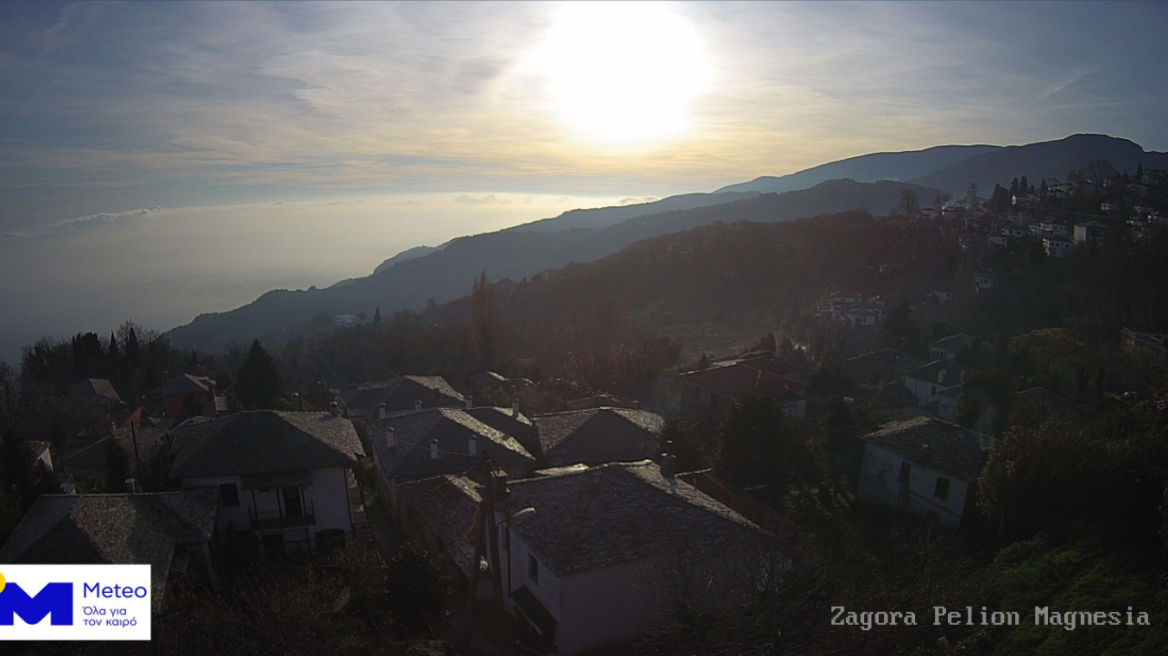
(486, 529)
(504, 626)
(137, 457)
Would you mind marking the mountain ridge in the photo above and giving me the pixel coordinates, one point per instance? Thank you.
(446, 274)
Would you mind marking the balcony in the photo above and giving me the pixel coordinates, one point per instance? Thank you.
(283, 518)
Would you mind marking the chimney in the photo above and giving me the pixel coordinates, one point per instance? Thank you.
(113, 428)
(130, 486)
(389, 438)
(941, 377)
(381, 411)
(500, 482)
(668, 465)
(296, 400)
(433, 449)
(334, 409)
(473, 445)
(514, 407)
(418, 405)
(469, 403)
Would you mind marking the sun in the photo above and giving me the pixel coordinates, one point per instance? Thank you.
(623, 72)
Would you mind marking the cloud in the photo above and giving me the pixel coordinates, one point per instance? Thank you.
(105, 217)
(488, 199)
(637, 200)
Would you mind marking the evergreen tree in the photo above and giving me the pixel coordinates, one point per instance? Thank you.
(1014, 188)
(377, 317)
(114, 360)
(258, 381)
(1023, 186)
(117, 466)
(133, 350)
(485, 321)
(900, 330)
(1139, 172)
(23, 477)
(760, 447)
(1044, 189)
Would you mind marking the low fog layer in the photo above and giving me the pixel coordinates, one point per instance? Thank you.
(163, 266)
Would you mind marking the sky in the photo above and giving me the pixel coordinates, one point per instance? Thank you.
(158, 160)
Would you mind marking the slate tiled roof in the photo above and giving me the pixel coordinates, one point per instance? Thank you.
(262, 441)
(181, 385)
(113, 528)
(39, 447)
(91, 459)
(400, 393)
(486, 379)
(952, 342)
(99, 390)
(505, 421)
(936, 444)
(593, 517)
(739, 380)
(452, 427)
(598, 435)
(447, 504)
(931, 371)
(952, 392)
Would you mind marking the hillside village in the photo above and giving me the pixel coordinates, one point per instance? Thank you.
(477, 478)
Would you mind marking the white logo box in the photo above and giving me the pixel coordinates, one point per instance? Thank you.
(106, 602)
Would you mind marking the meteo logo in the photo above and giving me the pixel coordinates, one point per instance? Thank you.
(75, 602)
(55, 601)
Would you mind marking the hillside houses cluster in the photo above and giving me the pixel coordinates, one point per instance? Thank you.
(538, 507)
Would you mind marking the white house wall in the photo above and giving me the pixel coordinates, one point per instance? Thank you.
(328, 496)
(604, 606)
(879, 485)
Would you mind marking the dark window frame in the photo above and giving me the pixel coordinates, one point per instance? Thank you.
(941, 489)
(229, 495)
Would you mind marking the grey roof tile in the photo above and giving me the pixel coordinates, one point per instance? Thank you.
(262, 441)
(593, 517)
(400, 393)
(447, 504)
(936, 444)
(452, 427)
(113, 528)
(180, 385)
(599, 435)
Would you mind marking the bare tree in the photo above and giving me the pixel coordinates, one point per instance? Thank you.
(971, 198)
(910, 205)
(485, 320)
(1099, 172)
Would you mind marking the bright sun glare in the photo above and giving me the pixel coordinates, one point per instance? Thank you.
(623, 72)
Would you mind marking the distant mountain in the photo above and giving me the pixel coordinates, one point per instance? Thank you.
(1047, 159)
(408, 254)
(445, 274)
(903, 166)
(606, 216)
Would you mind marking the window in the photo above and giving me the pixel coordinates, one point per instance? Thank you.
(942, 489)
(532, 568)
(229, 495)
(905, 470)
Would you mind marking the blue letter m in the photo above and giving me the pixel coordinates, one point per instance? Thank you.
(55, 598)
